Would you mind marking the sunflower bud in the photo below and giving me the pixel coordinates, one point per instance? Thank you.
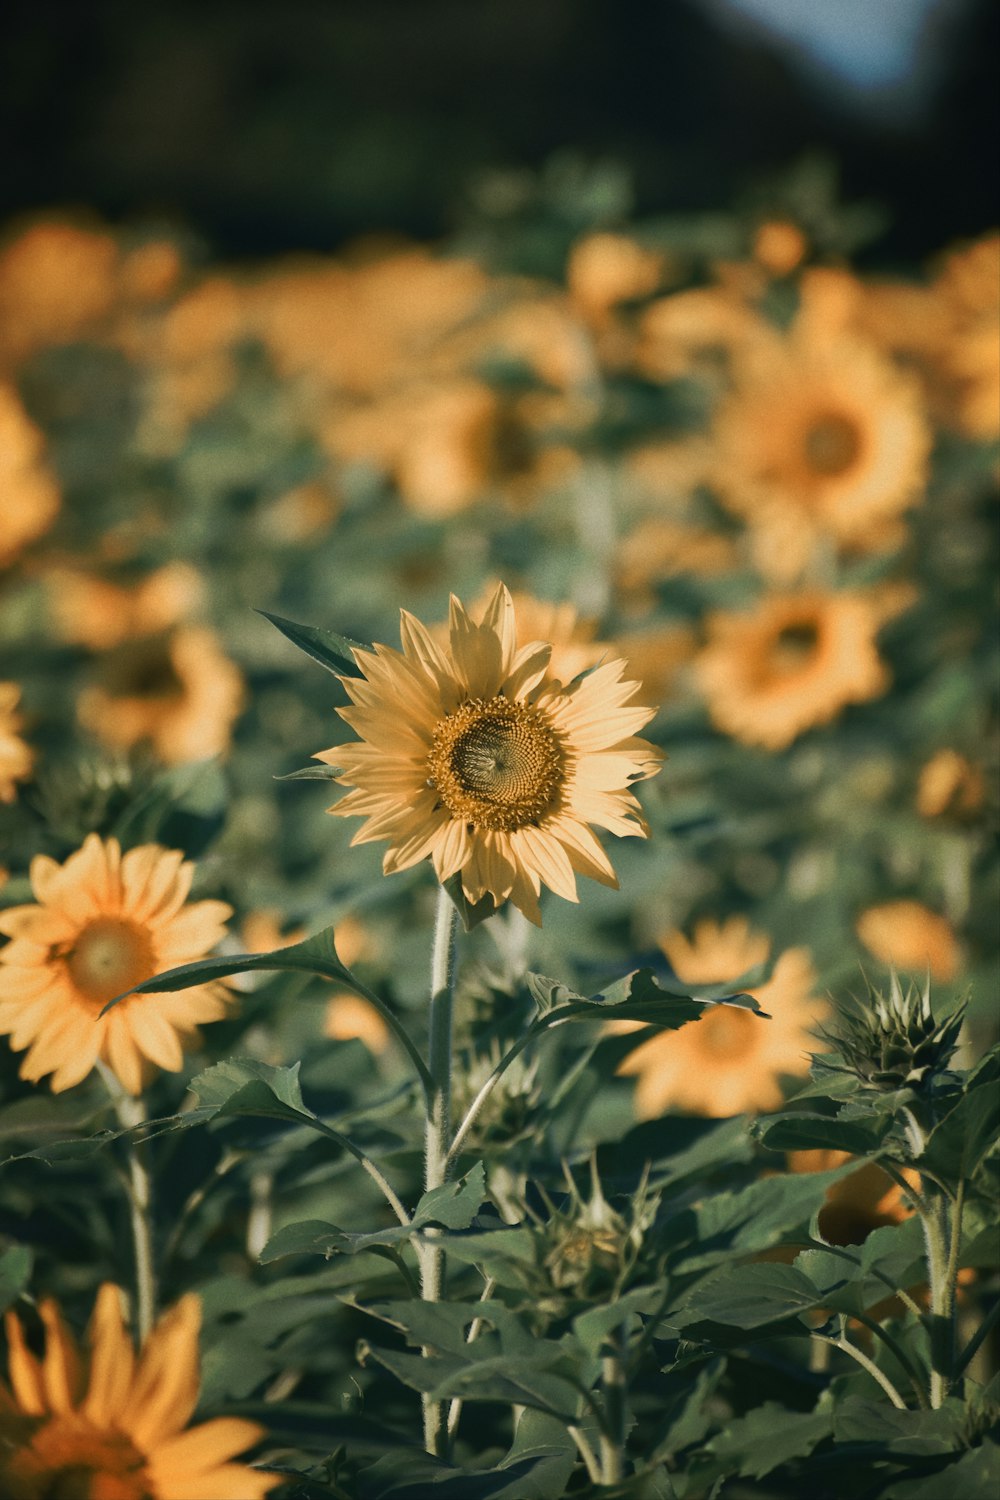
(893, 1041)
(592, 1248)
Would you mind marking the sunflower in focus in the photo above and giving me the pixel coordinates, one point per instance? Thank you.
(469, 757)
(176, 689)
(16, 758)
(104, 922)
(792, 663)
(820, 437)
(728, 1060)
(112, 1425)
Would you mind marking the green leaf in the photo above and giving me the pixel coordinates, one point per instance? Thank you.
(315, 955)
(472, 913)
(335, 652)
(802, 1131)
(15, 1272)
(262, 1088)
(455, 1204)
(974, 1476)
(904, 1433)
(747, 1297)
(768, 1436)
(958, 1146)
(312, 773)
(635, 997)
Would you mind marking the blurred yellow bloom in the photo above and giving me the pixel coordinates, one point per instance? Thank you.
(868, 1199)
(779, 246)
(689, 330)
(728, 1060)
(16, 758)
(351, 1017)
(175, 689)
(820, 436)
(105, 922)
(100, 614)
(910, 936)
(469, 757)
(949, 784)
(113, 1425)
(969, 289)
(56, 280)
(606, 269)
(30, 494)
(796, 661)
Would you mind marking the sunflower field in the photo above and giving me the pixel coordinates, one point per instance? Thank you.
(604, 1099)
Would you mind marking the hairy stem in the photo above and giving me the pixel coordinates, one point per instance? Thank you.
(862, 1359)
(132, 1112)
(431, 1256)
(615, 1390)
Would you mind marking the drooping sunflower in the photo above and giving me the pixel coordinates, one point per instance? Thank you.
(820, 436)
(16, 758)
(796, 661)
(910, 936)
(176, 689)
(105, 921)
(729, 1060)
(113, 1426)
(468, 757)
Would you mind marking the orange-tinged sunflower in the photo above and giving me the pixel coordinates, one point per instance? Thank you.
(176, 689)
(820, 437)
(113, 1425)
(910, 936)
(16, 758)
(467, 756)
(30, 494)
(796, 661)
(868, 1199)
(99, 614)
(105, 921)
(729, 1060)
(950, 785)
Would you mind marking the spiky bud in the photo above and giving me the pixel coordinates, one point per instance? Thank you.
(892, 1041)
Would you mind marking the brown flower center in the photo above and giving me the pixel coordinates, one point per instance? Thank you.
(110, 956)
(496, 764)
(831, 445)
(70, 1459)
(794, 647)
(144, 668)
(725, 1030)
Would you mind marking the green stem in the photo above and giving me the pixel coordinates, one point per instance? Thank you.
(132, 1112)
(844, 1344)
(615, 1389)
(431, 1256)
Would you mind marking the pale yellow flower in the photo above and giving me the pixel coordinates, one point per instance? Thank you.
(910, 936)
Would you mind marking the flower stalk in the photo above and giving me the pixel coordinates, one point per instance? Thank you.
(438, 1128)
(132, 1112)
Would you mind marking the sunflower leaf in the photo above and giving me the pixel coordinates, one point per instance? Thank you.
(335, 652)
(312, 773)
(314, 955)
(471, 913)
(15, 1271)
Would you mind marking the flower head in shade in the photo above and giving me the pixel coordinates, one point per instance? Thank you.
(113, 1425)
(176, 689)
(468, 757)
(729, 1060)
(16, 758)
(104, 922)
(910, 936)
(30, 494)
(794, 662)
(820, 436)
(867, 1199)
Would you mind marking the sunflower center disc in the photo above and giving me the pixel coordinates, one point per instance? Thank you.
(726, 1030)
(69, 1459)
(794, 647)
(495, 764)
(831, 445)
(108, 957)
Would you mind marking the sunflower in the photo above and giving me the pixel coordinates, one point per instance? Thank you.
(470, 758)
(792, 663)
(16, 758)
(950, 785)
(855, 1205)
(30, 494)
(56, 280)
(911, 936)
(100, 614)
(729, 1060)
(176, 689)
(111, 1426)
(969, 290)
(820, 437)
(105, 922)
